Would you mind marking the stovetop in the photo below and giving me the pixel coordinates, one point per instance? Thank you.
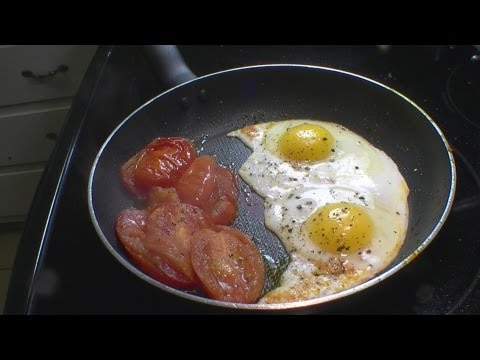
(63, 268)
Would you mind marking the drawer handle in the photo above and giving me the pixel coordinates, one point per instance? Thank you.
(46, 76)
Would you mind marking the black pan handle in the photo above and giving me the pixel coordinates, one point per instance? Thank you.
(472, 201)
(168, 64)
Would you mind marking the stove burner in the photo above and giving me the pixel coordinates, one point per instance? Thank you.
(463, 90)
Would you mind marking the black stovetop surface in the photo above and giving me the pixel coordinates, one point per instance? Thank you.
(63, 268)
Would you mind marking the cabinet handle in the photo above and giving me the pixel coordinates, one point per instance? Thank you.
(46, 76)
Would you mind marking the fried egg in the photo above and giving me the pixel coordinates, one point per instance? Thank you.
(337, 203)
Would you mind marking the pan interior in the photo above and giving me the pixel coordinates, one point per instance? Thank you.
(207, 108)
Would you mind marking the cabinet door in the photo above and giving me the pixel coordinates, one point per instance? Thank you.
(27, 137)
(17, 188)
(49, 71)
(28, 132)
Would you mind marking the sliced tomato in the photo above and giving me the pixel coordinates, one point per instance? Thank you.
(227, 180)
(211, 188)
(127, 175)
(228, 264)
(196, 185)
(169, 229)
(130, 229)
(158, 195)
(223, 204)
(159, 163)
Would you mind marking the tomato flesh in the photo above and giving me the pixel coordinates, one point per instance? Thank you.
(169, 230)
(228, 264)
(130, 229)
(127, 175)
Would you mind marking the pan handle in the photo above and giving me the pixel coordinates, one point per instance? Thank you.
(168, 64)
(472, 201)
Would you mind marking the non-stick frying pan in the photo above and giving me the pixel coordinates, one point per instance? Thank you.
(205, 109)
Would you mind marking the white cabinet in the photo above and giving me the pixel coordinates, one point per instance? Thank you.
(37, 84)
(55, 71)
(18, 187)
(28, 132)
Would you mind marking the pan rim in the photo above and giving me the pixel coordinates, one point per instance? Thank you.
(290, 305)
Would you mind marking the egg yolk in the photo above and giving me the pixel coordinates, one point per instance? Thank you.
(340, 228)
(305, 142)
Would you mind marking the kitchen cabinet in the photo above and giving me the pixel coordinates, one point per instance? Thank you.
(37, 85)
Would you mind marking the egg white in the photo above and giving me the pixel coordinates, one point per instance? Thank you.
(357, 173)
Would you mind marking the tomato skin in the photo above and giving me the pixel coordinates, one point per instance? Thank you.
(163, 161)
(223, 204)
(196, 185)
(228, 265)
(211, 188)
(161, 271)
(159, 163)
(130, 228)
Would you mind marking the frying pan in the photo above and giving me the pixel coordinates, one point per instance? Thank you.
(206, 108)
